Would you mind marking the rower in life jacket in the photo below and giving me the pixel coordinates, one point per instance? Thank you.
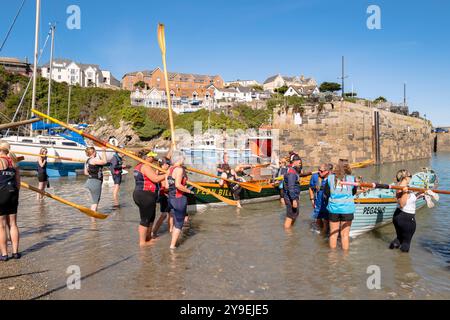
(341, 198)
(173, 191)
(235, 188)
(8, 180)
(116, 166)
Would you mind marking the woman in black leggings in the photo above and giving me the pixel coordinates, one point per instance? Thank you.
(405, 216)
(145, 196)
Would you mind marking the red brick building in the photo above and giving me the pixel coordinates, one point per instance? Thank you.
(182, 85)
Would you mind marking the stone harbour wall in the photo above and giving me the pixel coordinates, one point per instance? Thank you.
(441, 142)
(331, 131)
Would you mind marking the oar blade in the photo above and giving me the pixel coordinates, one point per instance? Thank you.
(161, 38)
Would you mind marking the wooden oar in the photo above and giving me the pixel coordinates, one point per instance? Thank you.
(85, 210)
(389, 186)
(49, 156)
(18, 124)
(246, 185)
(129, 154)
(162, 46)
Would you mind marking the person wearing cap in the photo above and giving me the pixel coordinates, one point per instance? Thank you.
(145, 195)
(163, 200)
(116, 167)
(291, 186)
(9, 202)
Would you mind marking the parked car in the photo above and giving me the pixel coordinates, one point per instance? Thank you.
(440, 130)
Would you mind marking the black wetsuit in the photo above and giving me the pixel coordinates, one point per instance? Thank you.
(9, 191)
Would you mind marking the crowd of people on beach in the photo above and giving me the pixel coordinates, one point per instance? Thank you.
(164, 181)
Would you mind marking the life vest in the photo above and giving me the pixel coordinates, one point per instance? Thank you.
(231, 185)
(143, 182)
(341, 198)
(291, 170)
(8, 175)
(43, 169)
(173, 190)
(94, 170)
(117, 169)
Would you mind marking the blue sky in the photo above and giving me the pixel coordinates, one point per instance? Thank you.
(254, 39)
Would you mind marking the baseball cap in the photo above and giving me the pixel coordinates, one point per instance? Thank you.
(295, 157)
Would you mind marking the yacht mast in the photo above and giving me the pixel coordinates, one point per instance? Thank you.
(36, 49)
(52, 30)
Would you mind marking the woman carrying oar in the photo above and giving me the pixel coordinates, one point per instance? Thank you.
(94, 170)
(42, 172)
(9, 202)
(145, 195)
(176, 180)
(404, 218)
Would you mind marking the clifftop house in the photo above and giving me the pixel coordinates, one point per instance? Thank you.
(75, 73)
(278, 81)
(14, 65)
(242, 83)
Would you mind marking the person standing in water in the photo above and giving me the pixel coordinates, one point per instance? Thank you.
(318, 199)
(234, 188)
(282, 170)
(145, 195)
(9, 202)
(42, 172)
(404, 218)
(291, 185)
(341, 205)
(94, 170)
(116, 167)
(176, 181)
(163, 200)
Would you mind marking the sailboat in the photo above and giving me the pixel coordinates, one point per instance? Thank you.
(58, 143)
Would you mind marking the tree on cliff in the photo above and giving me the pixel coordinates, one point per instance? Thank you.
(329, 86)
(140, 84)
(281, 90)
(379, 100)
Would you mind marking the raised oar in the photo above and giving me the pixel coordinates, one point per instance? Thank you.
(85, 210)
(389, 186)
(18, 124)
(49, 156)
(130, 155)
(246, 185)
(162, 46)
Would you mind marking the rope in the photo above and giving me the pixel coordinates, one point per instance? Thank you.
(12, 25)
(28, 85)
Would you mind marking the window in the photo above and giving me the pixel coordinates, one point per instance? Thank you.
(69, 144)
(59, 77)
(27, 140)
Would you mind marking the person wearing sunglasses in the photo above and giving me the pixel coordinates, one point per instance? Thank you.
(318, 199)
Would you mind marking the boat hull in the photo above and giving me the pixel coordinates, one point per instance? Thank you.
(374, 213)
(55, 167)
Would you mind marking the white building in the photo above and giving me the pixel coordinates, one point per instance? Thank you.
(301, 91)
(242, 83)
(239, 94)
(279, 81)
(74, 73)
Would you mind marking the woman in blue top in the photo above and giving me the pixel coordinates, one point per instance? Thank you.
(341, 205)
